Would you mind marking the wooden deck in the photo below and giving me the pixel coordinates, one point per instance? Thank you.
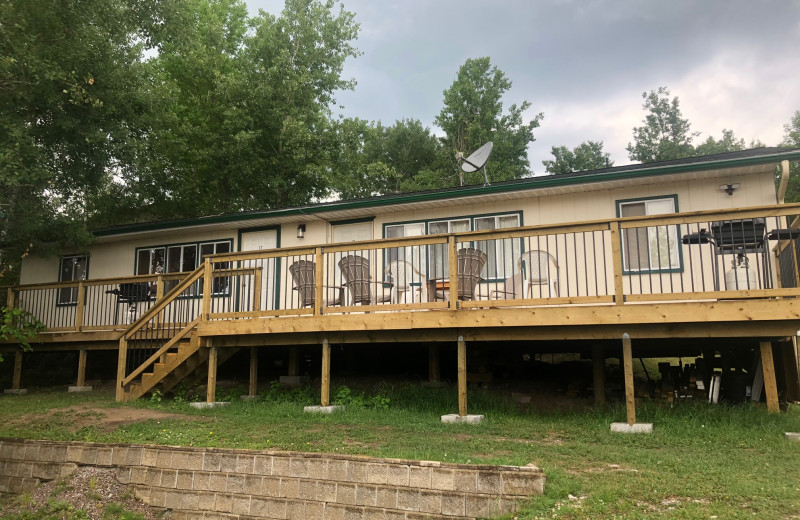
(722, 275)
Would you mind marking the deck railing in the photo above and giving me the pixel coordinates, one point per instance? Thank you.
(739, 253)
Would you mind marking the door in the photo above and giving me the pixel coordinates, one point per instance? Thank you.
(265, 272)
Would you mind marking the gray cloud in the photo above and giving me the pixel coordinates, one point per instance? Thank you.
(733, 63)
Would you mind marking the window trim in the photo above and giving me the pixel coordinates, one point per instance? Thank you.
(61, 259)
(471, 218)
(634, 272)
(166, 247)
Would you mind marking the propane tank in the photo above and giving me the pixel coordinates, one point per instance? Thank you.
(740, 277)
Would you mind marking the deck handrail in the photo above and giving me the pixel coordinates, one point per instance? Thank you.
(231, 275)
(166, 300)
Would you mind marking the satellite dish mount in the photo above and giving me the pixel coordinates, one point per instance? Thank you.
(476, 161)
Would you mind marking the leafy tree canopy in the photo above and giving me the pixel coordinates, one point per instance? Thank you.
(472, 115)
(791, 139)
(666, 134)
(589, 155)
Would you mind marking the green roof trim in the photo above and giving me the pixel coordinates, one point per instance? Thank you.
(725, 160)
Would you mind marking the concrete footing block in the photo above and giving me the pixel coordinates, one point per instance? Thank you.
(248, 397)
(433, 384)
(202, 406)
(455, 418)
(623, 427)
(322, 409)
(795, 436)
(79, 389)
(15, 391)
(294, 381)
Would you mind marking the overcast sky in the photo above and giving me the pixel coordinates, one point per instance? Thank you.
(734, 64)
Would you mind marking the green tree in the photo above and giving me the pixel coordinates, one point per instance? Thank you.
(472, 115)
(69, 99)
(371, 159)
(791, 139)
(588, 155)
(728, 143)
(241, 108)
(665, 134)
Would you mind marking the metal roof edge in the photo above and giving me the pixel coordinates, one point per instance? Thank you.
(457, 192)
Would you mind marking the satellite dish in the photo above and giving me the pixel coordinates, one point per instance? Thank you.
(477, 160)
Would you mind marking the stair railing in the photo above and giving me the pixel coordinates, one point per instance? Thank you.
(160, 329)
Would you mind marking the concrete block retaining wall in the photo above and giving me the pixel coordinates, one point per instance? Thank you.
(210, 483)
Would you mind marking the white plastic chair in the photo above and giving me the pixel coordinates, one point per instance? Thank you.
(539, 268)
(402, 274)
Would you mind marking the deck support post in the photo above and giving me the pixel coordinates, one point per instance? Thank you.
(630, 400)
(80, 383)
(16, 383)
(434, 370)
(81, 368)
(325, 387)
(211, 388)
(122, 361)
(17, 380)
(253, 390)
(768, 370)
(462, 416)
(599, 374)
(462, 377)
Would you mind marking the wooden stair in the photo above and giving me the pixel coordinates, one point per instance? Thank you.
(174, 363)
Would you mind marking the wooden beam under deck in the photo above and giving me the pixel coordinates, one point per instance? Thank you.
(724, 319)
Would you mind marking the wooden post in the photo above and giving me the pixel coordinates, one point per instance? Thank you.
(81, 368)
(253, 371)
(10, 298)
(122, 360)
(207, 288)
(293, 371)
(599, 374)
(319, 280)
(616, 262)
(627, 358)
(770, 384)
(211, 389)
(16, 383)
(159, 287)
(79, 308)
(325, 390)
(462, 377)
(452, 256)
(433, 363)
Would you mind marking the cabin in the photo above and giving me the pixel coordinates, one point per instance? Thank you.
(691, 257)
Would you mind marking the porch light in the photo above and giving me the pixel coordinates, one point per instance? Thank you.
(729, 188)
(301, 230)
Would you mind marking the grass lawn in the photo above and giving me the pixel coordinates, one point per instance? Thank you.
(701, 462)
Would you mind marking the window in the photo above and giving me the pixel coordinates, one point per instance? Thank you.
(72, 268)
(150, 261)
(654, 248)
(500, 254)
(415, 255)
(438, 262)
(183, 258)
(221, 284)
